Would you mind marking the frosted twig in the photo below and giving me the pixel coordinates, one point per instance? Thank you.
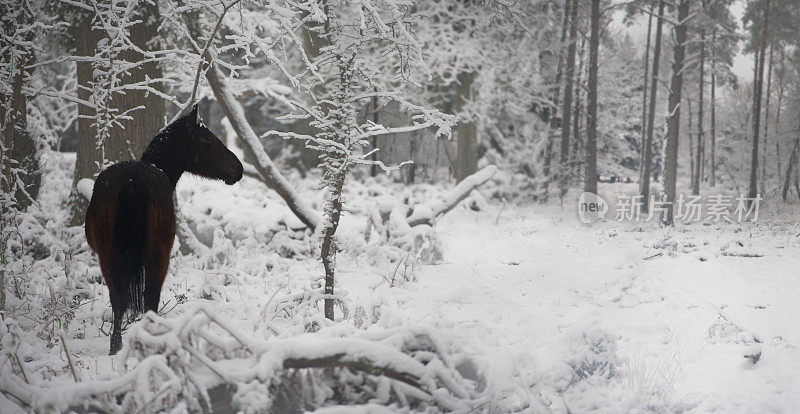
(234, 334)
(69, 357)
(21, 368)
(204, 56)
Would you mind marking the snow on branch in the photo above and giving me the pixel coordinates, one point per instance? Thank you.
(204, 53)
(53, 93)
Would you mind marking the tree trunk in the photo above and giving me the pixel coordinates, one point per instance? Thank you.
(329, 246)
(309, 158)
(752, 192)
(10, 117)
(544, 190)
(26, 153)
(13, 115)
(797, 169)
(553, 123)
(590, 180)
(766, 125)
(644, 186)
(789, 168)
(577, 142)
(565, 170)
(343, 119)
(467, 129)
(373, 171)
(674, 115)
(16, 144)
(713, 165)
(412, 149)
(691, 141)
(552, 116)
(793, 161)
(131, 138)
(698, 173)
(778, 118)
(644, 93)
(797, 163)
(87, 157)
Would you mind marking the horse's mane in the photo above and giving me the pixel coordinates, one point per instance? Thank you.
(160, 143)
(164, 150)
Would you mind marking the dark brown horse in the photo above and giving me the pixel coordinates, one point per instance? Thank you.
(130, 222)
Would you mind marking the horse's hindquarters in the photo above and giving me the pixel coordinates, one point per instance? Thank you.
(130, 224)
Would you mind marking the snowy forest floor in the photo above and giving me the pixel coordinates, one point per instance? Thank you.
(554, 315)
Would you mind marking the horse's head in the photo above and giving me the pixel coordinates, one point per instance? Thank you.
(208, 156)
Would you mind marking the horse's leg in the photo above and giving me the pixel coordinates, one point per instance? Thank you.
(155, 271)
(160, 236)
(118, 303)
(116, 334)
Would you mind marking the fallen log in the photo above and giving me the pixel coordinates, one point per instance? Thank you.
(356, 364)
(427, 213)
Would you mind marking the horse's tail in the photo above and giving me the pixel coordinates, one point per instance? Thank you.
(128, 245)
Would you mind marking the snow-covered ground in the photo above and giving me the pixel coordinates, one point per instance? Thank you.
(551, 314)
(668, 312)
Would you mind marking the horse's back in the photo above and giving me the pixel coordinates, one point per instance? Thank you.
(105, 202)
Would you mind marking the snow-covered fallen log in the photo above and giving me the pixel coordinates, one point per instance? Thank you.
(427, 213)
(263, 164)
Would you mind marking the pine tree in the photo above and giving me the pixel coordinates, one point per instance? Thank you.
(674, 113)
(590, 180)
(644, 186)
(758, 83)
(570, 73)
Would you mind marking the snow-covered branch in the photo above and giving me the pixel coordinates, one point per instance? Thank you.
(272, 177)
(181, 359)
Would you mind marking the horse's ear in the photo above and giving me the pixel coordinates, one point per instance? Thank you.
(193, 115)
